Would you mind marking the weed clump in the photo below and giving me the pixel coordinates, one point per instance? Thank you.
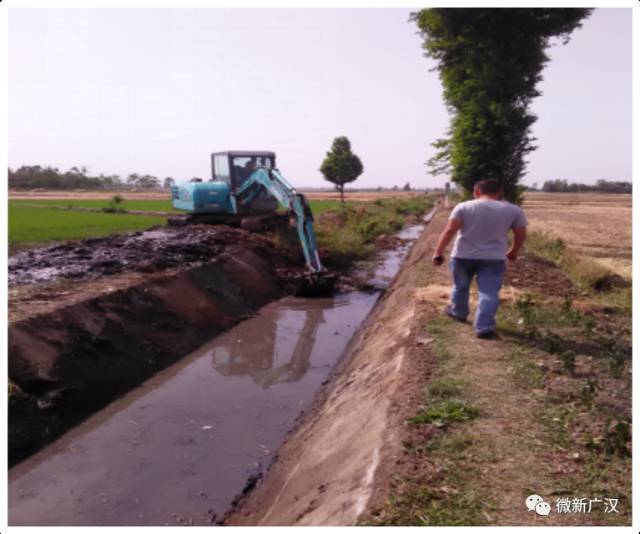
(588, 393)
(114, 205)
(349, 232)
(443, 413)
(568, 358)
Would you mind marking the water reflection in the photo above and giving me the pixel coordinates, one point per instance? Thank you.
(281, 349)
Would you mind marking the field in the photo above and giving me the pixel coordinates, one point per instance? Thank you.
(97, 203)
(40, 220)
(30, 226)
(595, 225)
(163, 195)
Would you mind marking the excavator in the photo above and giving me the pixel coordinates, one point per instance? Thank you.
(246, 189)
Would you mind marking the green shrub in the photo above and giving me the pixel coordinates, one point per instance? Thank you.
(443, 413)
(348, 232)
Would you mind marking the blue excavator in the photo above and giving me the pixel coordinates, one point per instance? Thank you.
(246, 189)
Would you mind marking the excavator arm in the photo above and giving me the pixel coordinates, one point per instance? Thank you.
(293, 201)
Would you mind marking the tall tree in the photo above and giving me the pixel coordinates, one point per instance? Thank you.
(341, 166)
(490, 61)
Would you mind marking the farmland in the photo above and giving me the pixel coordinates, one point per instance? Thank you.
(594, 225)
(31, 226)
(547, 411)
(37, 220)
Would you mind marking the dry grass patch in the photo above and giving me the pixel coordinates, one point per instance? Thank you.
(593, 225)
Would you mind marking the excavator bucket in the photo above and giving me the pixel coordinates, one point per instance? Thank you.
(315, 285)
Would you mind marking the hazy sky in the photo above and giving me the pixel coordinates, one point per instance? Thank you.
(157, 90)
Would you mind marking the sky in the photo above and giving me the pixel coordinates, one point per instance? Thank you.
(155, 91)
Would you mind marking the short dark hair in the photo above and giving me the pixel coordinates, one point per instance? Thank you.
(489, 187)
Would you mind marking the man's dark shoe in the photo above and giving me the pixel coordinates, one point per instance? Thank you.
(449, 313)
(487, 335)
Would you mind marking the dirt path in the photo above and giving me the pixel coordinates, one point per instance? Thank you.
(532, 428)
(509, 448)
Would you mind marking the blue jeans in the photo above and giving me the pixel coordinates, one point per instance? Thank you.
(489, 278)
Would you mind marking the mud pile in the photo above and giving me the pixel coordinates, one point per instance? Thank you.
(74, 359)
(157, 249)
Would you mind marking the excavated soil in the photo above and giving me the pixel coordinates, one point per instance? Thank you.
(157, 249)
(90, 320)
(532, 273)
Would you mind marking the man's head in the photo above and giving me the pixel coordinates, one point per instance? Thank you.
(487, 188)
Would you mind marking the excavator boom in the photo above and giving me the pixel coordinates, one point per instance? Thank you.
(288, 197)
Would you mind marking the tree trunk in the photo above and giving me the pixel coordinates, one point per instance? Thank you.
(342, 193)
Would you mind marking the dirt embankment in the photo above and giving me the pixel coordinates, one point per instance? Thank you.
(76, 346)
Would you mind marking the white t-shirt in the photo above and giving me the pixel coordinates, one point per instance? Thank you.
(485, 228)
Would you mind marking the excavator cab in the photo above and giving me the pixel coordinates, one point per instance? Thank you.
(235, 167)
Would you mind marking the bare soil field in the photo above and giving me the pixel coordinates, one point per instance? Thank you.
(594, 225)
(360, 196)
(43, 194)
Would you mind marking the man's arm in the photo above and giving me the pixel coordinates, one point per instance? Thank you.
(519, 235)
(445, 238)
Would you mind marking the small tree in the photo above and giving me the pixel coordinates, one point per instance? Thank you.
(407, 187)
(341, 166)
(169, 182)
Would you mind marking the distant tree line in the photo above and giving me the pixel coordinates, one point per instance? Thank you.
(37, 177)
(601, 186)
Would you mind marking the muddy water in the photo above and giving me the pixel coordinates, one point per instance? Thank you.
(179, 448)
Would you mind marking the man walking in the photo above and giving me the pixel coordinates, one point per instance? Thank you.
(481, 250)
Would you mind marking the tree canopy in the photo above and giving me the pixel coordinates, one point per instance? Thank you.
(35, 176)
(601, 186)
(490, 61)
(341, 166)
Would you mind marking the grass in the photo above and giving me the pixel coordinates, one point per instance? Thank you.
(587, 417)
(536, 325)
(320, 206)
(30, 226)
(446, 412)
(525, 372)
(586, 273)
(575, 415)
(141, 205)
(51, 221)
(454, 495)
(348, 232)
(317, 206)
